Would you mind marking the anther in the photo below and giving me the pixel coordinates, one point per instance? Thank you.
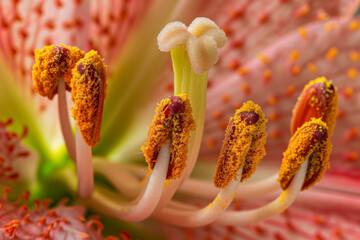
(88, 91)
(51, 64)
(319, 99)
(311, 141)
(201, 40)
(244, 145)
(172, 123)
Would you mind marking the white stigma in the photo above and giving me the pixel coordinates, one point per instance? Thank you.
(201, 40)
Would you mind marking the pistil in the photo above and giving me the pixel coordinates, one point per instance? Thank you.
(193, 52)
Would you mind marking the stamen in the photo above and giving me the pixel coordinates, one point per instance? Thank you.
(201, 40)
(88, 87)
(144, 205)
(244, 145)
(311, 141)
(319, 99)
(173, 122)
(52, 73)
(51, 64)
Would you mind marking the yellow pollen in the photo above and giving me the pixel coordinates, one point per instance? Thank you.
(51, 64)
(242, 71)
(312, 68)
(354, 56)
(332, 53)
(303, 32)
(88, 92)
(295, 70)
(172, 123)
(354, 25)
(352, 73)
(309, 142)
(263, 58)
(244, 145)
(294, 55)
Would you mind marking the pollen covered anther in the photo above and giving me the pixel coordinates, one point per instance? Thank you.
(52, 63)
(311, 141)
(244, 145)
(88, 92)
(319, 99)
(201, 40)
(173, 122)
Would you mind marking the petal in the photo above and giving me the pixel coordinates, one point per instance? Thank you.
(277, 94)
(314, 215)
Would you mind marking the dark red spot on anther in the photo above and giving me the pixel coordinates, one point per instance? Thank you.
(60, 54)
(249, 117)
(177, 105)
(320, 135)
(80, 68)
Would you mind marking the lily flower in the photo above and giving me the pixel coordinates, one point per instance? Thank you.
(274, 49)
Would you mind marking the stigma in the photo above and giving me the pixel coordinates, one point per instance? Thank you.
(319, 99)
(173, 122)
(311, 141)
(51, 64)
(201, 40)
(244, 145)
(88, 92)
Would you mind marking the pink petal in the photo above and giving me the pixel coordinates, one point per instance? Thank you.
(316, 214)
(277, 92)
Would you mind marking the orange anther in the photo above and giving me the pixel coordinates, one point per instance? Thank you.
(318, 100)
(88, 92)
(310, 141)
(244, 145)
(172, 123)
